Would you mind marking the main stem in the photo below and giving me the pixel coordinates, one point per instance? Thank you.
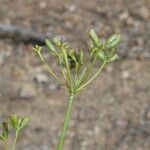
(6, 145)
(15, 140)
(65, 124)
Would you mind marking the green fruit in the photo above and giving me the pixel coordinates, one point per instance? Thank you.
(94, 37)
(113, 41)
(57, 42)
(50, 46)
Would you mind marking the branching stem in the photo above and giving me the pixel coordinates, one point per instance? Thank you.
(88, 69)
(50, 70)
(68, 69)
(96, 74)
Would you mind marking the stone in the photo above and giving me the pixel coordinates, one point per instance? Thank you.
(146, 54)
(89, 132)
(53, 87)
(68, 25)
(96, 130)
(126, 18)
(123, 46)
(27, 91)
(42, 4)
(144, 12)
(135, 51)
(123, 16)
(109, 68)
(41, 78)
(121, 123)
(125, 74)
(70, 7)
(139, 41)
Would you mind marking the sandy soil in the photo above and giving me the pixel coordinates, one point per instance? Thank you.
(114, 112)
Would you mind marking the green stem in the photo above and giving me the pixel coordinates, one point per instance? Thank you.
(88, 70)
(96, 74)
(68, 68)
(15, 140)
(62, 69)
(65, 124)
(49, 69)
(6, 145)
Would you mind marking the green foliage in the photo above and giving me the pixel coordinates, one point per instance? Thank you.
(4, 134)
(72, 61)
(76, 72)
(16, 123)
(94, 38)
(113, 41)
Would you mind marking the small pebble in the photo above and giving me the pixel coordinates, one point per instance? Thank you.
(124, 15)
(53, 87)
(122, 123)
(43, 4)
(144, 12)
(41, 78)
(126, 18)
(84, 143)
(125, 74)
(70, 7)
(135, 51)
(27, 92)
(146, 54)
(109, 68)
(96, 130)
(89, 132)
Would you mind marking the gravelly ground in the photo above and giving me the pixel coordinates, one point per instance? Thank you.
(114, 113)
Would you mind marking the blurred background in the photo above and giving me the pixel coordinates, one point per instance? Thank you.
(114, 112)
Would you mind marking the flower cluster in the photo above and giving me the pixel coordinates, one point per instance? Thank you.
(71, 60)
(16, 123)
(105, 51)
(77, 73)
